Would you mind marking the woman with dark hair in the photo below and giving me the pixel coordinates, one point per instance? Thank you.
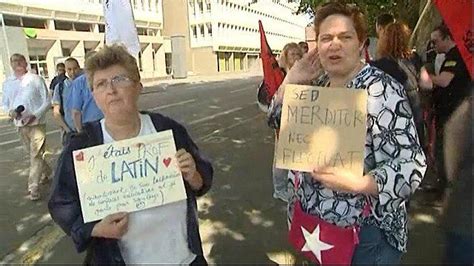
(394, 162)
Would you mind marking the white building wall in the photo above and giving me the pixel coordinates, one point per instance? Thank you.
(235, 23)
(148, 16)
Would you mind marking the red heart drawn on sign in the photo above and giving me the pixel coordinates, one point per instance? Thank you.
(80, 156)
(167, 161)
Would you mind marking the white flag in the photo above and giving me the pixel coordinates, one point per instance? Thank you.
(120, 26)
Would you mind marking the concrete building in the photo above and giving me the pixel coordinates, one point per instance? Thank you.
(223, 34)
(211, 35)
(48, 31)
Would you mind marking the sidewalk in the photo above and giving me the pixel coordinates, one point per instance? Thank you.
(169, 81)
(201, 78)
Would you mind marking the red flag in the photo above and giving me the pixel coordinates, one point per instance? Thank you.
(457, 15)
(272, 74)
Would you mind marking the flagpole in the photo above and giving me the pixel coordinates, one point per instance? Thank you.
(423, 14)
(5, 36)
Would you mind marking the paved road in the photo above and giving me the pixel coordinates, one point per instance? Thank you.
(240, 221)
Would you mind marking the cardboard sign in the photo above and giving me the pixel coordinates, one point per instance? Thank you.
(322, 127)
(128, 175)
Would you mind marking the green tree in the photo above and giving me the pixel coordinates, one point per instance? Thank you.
(406, 10)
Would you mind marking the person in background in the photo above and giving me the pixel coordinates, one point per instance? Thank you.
(303, 46)
(451, 87)
(458, 212)
(60, 76)
(394, 58)
(26, 100)
(394, 162)
(62, 111)
(381, 22)
(84, 107)
(290, 54)
(168, 234)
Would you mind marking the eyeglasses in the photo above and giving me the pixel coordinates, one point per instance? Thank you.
(118, 82)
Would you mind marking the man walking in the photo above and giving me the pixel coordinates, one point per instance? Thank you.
(61, 76)
(62, 101)
(451, 87)
(26, 100)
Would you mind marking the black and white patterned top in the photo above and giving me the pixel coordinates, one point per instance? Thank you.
(393, 156)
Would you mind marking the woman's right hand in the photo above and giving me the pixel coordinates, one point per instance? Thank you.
(303, 72)
(112, 226)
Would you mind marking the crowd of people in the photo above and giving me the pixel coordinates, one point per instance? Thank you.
(418, 116)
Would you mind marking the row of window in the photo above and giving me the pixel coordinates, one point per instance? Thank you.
(194, 29)
(250, 10)
(228, 4)
(27, 22)
(246, 29)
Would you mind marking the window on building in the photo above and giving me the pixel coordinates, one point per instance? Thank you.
(227, 61)
(191, 6)
(82, 26)
(151, 32)
(63, 25)
(141, 31)
(153, 59)
(140, 63)
(194, 30)
(38, 64)
(66, 51)
(168, 63)
(201, 6)
(209, 30)
(201, 29)
(208, 6)
(12, 21)
(101, 28)
(34, 23)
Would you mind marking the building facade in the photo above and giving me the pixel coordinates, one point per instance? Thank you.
(48, 31)
(219, 35)
(224, 35)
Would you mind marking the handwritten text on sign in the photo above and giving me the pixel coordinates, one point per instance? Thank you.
(128, 175)
(322, 127)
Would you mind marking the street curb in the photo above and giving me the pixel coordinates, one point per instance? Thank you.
(33, 249)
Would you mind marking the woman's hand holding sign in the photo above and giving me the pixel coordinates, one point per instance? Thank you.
(343, 180)
(187, 165)
(112, 226)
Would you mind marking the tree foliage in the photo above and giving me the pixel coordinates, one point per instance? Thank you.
(406, 10)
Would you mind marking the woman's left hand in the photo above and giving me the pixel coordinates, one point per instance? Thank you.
(187, 165)
(343, 180)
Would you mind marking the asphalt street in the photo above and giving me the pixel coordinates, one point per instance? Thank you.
(240, 222)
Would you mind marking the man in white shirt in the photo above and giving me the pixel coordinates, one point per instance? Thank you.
(26, 100)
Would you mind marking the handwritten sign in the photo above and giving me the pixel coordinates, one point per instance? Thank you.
(322, 127)
(128, 175)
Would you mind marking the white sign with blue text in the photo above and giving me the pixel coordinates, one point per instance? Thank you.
(128, 175)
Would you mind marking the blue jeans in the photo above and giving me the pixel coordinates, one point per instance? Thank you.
(459, 249)
(373, 248)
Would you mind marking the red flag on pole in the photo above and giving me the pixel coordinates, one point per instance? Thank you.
(457, 15)
(272, 74)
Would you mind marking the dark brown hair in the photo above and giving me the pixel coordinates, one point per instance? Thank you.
(394, 42)
(350, 11)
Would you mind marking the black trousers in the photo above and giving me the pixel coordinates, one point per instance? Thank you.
(199, 261)
(439, 153)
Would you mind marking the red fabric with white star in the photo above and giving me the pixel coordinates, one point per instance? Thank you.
(343, 240)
